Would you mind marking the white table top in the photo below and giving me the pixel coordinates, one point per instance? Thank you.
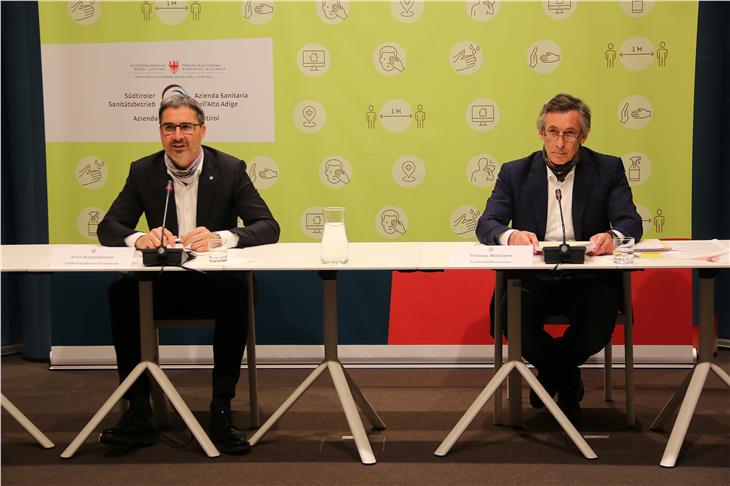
(684, 254)
(363, 256)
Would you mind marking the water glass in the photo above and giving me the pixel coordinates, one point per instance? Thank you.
(217, 251)
(623, 249)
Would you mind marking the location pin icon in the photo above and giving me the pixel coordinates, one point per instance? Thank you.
(309, 113)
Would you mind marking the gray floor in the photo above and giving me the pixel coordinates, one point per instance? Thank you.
(309, 445)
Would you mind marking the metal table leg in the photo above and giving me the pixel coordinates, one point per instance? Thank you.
(516, 368)
(348, 392)
(695, 381)
(149, 349)
(29, 426)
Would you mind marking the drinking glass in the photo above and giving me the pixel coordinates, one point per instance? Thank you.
(623, 249)
(217, 252)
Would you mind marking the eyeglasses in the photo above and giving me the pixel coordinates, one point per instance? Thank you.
(568, 135)
(185, 128)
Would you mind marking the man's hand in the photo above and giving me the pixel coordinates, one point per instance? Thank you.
(197, 239)
(152, 239)
(523, 238)
(602, 244)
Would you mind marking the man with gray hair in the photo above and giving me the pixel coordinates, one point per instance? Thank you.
(211, 190)
(597, 205)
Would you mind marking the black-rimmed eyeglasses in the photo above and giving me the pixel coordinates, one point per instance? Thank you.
(185, 128)
(568, 135)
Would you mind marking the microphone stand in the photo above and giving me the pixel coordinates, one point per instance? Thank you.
(162, 255)
(563, 253)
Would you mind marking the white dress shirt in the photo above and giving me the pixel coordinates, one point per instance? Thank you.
(553, 226)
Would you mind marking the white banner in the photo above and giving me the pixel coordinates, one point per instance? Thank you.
(117, 88)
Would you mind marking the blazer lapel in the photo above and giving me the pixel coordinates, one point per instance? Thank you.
(581, 187)
(207, 185)
(537, 181)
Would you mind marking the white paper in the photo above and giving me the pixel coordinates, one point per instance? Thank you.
(708, 250)
(85, 256)
(489, 255)
(651, 245)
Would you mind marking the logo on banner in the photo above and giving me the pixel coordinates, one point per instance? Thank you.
(174, 66)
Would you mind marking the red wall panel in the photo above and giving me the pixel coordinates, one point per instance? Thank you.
(452, 307)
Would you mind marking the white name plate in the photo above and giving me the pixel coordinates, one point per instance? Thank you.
(488, 255)
(87, 256)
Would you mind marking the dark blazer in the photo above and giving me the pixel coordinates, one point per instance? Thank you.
(601, 199)
(225, 192)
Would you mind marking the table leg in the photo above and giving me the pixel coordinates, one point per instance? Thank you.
(291, 400)
(671, 406)
(514, 349)
(149, 352)
(150, 348)
(721, 374)
(514, 369)
(29, 426)
(103, 411)
(353, 418)
(553, 408)
(347, 392)
(698, 375)
(498, 289)
(679, 431)
(363, 403)
(499, 377)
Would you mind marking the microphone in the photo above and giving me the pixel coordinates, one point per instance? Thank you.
(563, 253)
(163, 255)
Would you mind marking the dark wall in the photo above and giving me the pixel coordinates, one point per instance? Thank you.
(25, 298)
(711, 150)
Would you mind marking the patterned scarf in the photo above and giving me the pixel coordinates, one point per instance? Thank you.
(187, 175)
(560, 171)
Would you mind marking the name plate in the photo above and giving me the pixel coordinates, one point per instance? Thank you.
(488, 255)
(88, 256)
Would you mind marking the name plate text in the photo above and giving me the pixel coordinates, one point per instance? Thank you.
(489, 255)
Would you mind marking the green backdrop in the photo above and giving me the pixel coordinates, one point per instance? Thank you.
(607, 53)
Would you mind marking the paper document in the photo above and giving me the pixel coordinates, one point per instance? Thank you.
(652, 245)
(709, 250)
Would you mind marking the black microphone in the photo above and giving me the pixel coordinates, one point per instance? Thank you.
(162, 249)
(162, 255)
(563, 253)
(564, 248)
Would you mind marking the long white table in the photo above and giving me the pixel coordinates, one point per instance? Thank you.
(421, 256)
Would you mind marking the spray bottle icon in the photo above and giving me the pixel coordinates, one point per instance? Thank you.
(634, 169)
